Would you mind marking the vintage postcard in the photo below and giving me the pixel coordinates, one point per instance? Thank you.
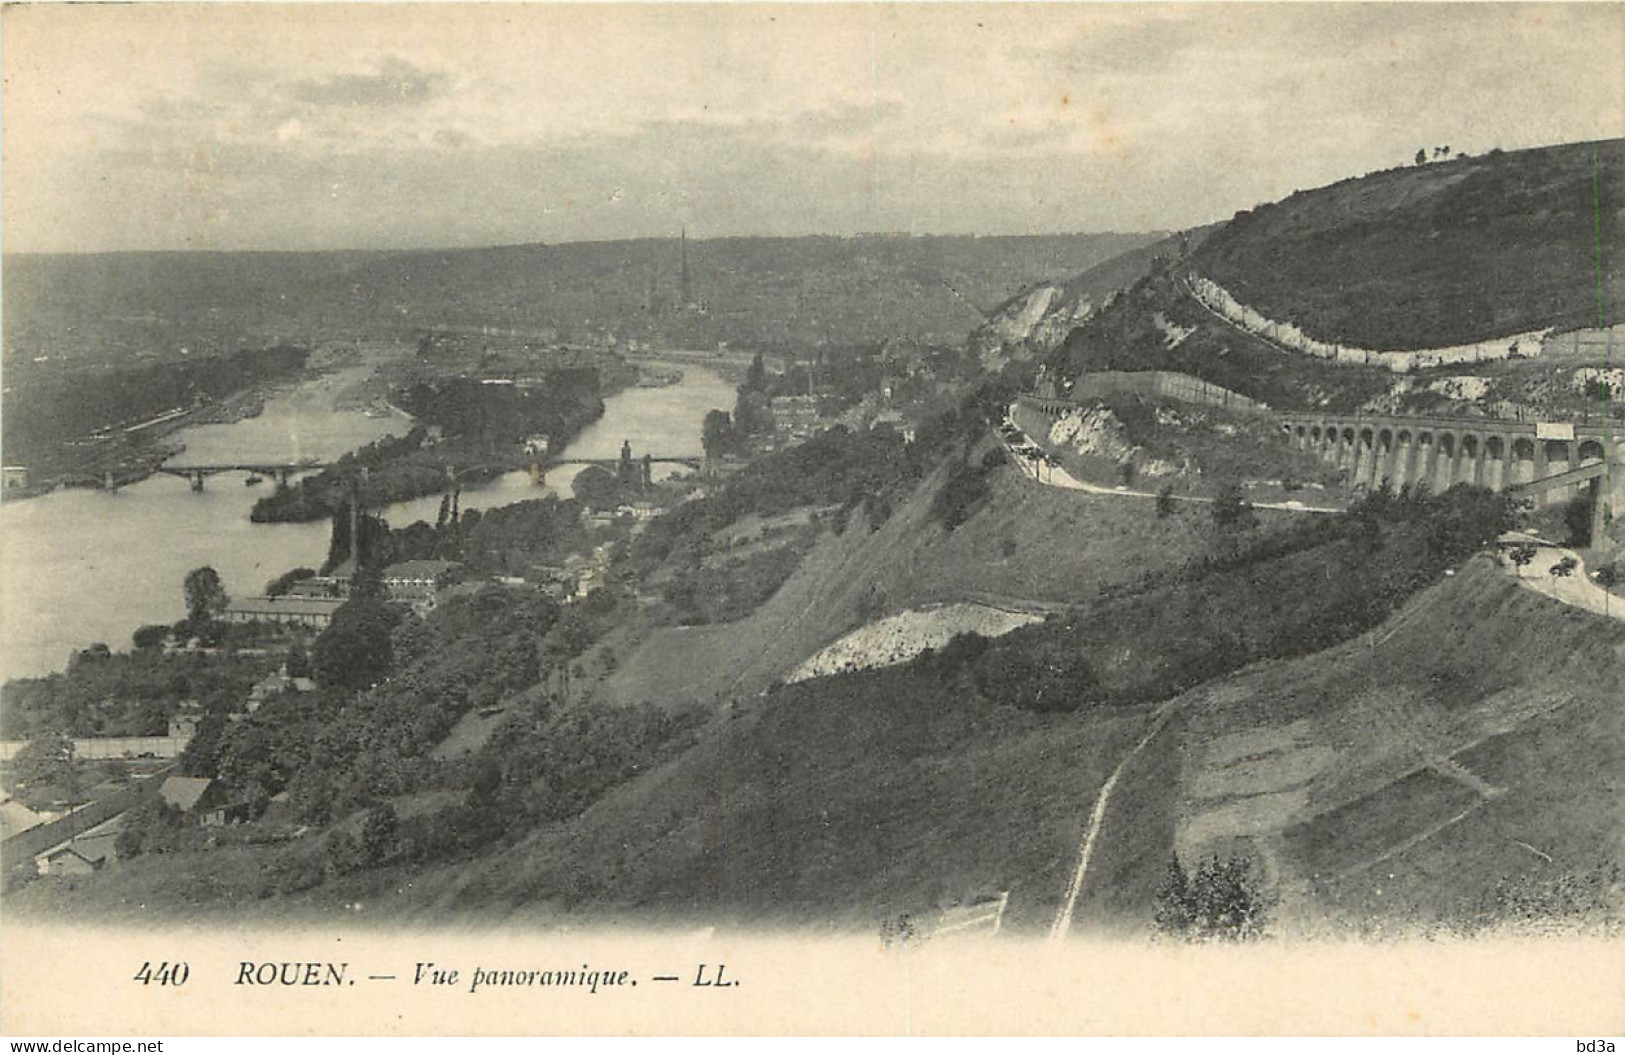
(812, 518)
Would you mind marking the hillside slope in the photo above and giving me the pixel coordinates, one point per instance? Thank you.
(1427, 257)
(1435, 254)
(1025, 546)
(1404, 778)
(1468, 748)
(1038, 319)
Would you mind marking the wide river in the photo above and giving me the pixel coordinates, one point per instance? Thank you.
(80, 566)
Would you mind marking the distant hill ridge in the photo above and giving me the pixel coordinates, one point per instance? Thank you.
(762, 292)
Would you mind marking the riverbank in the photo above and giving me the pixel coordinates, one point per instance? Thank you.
(118, 427)
(85, 565)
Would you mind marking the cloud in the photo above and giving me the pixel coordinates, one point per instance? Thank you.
(395, 82)
(1154, 42)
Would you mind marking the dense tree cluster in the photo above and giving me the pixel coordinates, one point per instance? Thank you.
(48, 415)
(126, 694)
(1275, 594)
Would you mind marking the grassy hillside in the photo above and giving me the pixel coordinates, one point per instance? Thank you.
(1023, 545)
(1457, 766)
(1437, 254)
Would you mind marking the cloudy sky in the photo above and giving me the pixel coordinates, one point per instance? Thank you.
(261, 126)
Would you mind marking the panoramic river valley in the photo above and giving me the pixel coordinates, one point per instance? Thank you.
(79, 566)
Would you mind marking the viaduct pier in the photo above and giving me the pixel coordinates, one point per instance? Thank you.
(1547, 461)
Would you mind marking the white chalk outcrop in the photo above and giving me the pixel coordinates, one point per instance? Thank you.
(899, 638)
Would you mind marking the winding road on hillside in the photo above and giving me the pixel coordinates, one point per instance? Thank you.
(1575, 589)
(1055, 476)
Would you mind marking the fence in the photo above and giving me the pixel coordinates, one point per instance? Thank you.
(101, 748)
(1162, 383)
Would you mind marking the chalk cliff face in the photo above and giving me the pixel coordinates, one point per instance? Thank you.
(1096, 431)
(1038, 320)
(1034, 323)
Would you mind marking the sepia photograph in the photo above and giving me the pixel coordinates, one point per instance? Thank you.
(812, 518)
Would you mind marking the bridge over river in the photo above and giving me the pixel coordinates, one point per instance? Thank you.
(283, 471)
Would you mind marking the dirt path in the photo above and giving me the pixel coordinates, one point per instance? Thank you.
(1086, 850)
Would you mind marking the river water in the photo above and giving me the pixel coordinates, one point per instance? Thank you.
(80, 566)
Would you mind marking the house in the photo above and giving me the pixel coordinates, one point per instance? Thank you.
(319, 586)
(416, 582)
(16, 817)
(795, 416)
(641, 511)
(894, 419)
(13, 476)
(275, 684)
(310, 612)
(77, 857)
(183, 726)
(226, 813)
(187, 794)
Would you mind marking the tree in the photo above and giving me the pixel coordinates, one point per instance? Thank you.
(355, 651)
(205, 596)
(297, 661)
(756, 375)
(129, 843)
(1221, 902)
(46, 759)
(282, 583)
(1231, 511)
(1522, 555)
(1564, 568)
(1577, 520)
(1173, 911)
(151, 636)
(1165, 502)
(597, 487)
(716, 432)
(751, 414)
(378, 834)
(1422, 156)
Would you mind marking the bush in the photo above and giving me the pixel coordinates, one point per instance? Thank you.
(1231, 511)
(1040, 676)
(961, 495)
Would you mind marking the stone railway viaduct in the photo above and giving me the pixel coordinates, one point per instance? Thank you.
(1441, 452)
(1547, 462)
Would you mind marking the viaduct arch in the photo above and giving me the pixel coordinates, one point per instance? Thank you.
(1548, 462)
